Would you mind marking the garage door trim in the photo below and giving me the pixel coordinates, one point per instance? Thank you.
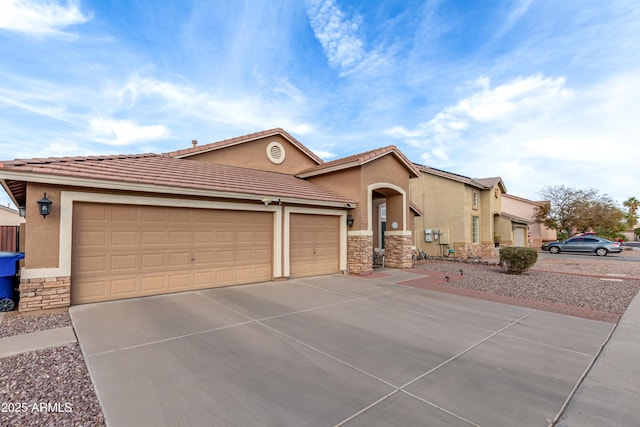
(313, 211)
(67, 198)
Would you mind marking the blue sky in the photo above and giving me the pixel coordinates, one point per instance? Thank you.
(538, 92)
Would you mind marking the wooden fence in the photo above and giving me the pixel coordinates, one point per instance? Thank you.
(9, 238)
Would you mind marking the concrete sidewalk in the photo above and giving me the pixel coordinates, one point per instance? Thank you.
(610, 393)
(33, 341)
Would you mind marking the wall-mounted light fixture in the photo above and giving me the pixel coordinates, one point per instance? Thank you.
(266, 201)
(349, 220)
(44, 206)
(22, 211)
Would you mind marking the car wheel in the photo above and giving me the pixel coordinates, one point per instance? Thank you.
(601, 252)
(554, 250)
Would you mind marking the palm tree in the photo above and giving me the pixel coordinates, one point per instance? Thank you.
(632, 203)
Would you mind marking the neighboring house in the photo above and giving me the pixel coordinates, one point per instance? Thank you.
(10, 225)
(255, 208)
(461, 216)
(525, 209)
(10, 217)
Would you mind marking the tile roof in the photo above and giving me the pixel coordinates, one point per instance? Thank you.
(242, 139)
(481, 183)
(522, 199)
(164, 171)
(516, 219)
(359, 160)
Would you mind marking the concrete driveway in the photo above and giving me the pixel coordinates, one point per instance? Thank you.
(332, 350)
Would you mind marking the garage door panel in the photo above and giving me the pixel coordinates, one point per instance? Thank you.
(93, 264)
(203, 237)
(224, 237)
(180, 216)
(153, 284)
(262, 255)
(122, 251)
(203, 279)
(124, 287)
(179, 260)
(153, 261)
(224, 276)
(90, 239)
(91, 290)
(180, 238)
(123, 239)
(123, 214)
(179, 281)
(124, 263)
(203, 258)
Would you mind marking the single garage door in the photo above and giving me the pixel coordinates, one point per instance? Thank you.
(124, 251)
(519, 236)
(314, 245)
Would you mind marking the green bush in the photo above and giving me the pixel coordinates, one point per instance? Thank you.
(517, 260)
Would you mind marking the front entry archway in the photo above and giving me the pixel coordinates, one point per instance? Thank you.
(387, 230)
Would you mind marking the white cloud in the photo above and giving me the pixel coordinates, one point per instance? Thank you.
(187, 101)
(325, 155)
(40, 17)
(535, 131)
(123, 132)
(517, 12)
(341, 40)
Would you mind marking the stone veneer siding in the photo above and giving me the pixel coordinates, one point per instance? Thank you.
(360, 254)
(397, 251)
(44, 293)
(475, 250)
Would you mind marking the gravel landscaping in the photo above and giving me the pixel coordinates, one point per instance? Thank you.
(15, 323)
(600, 290)
(48, 388)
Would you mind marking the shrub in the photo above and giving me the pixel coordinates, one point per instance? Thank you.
(517, 260)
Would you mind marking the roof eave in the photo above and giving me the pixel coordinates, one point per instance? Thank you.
(158, 189)
(181, 154)
(412, 170)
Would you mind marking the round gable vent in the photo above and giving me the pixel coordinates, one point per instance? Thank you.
(275, 152)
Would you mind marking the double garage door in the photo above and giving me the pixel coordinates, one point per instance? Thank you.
(125, 251)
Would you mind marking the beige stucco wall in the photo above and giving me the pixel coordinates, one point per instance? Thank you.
(446, 205)
(253, 155)
(503, 230)
(354, 183)
(10, 217)
(42, 235)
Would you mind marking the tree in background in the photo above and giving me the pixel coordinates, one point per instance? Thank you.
(573, 210)
(632, 217)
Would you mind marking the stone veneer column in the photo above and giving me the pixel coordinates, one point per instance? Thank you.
(397, 251)
(360, 254)
(44, 293)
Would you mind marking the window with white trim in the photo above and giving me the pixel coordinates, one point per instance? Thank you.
(475, 200)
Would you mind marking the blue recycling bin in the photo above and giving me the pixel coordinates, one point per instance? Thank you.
(8, 268)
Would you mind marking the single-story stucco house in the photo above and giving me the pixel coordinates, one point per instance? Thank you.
(255, 208)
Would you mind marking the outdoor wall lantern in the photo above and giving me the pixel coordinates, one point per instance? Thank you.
(349, 220)
(44, 206)
(22, 211)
